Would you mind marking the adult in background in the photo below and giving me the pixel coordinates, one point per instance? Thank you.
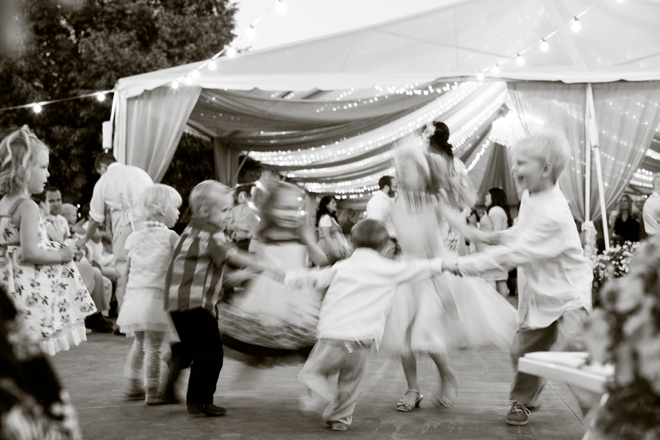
(242, 221)
(59, 222)
(380, 205)
(331, 239)
(651, 211)
(119, 189)
(347, 219)
(497, 218)
(626, 227)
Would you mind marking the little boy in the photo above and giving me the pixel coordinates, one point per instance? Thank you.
(192, 289)
(352, 317)
(554, 277)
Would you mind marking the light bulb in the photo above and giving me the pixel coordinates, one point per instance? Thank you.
(281, 7)
(480, 76)
(212, 65)
(495, 69)
(576, 25)
(175, 84)
(544, 45)
(520, 60)
(231, 52)
(188, 80)
(195, 74)
(100, 96)
(250, 34)
(37, 108)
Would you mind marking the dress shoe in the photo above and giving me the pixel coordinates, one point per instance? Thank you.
(206, 409)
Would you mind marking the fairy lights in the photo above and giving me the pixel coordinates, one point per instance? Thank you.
(37, 108)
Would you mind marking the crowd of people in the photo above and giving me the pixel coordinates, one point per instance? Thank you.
(423, 271)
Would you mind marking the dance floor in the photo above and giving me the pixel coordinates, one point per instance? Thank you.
(263, 404)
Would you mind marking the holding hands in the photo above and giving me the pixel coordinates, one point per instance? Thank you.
(451, 266)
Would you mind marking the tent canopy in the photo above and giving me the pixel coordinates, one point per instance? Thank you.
(328, 111)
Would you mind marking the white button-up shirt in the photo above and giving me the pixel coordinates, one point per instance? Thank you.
(553, 273)
(120, 189)
(379, 207)
(360, 292)
(651, 213)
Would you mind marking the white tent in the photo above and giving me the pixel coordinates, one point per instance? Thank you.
(327, 111)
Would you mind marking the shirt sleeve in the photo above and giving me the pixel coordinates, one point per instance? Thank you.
(378, 209)
(325, 222)
(219, 249)
(97, 204)
(315, 278)
(544, 241)
(412, 270)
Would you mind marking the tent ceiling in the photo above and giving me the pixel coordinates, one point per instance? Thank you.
(618, 41)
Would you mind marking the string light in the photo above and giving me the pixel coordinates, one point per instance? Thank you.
(281, 7)
(212, 65)
(576, 26)
(188, 80)
(195, 74)
(37, 108)
(231, 51)
(495, 70)
(251, 34)
(520, 60)
(544, 45)
(175, 84)
(480, 76)
(100, 96)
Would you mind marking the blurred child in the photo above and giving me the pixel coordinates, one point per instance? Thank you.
(37, 274)
(554, 276)
(352, 318)
(193, 287)
(143, 315)
(268, 321)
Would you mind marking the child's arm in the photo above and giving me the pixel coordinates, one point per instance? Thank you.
(543, 241)
(28, 218)
(454, 220)
(317, 278)
(411, 270)
(226, 253)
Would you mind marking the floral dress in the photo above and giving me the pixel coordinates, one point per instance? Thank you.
(51, 298)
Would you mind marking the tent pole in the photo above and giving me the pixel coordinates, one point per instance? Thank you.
(593, 141)
(587, 158)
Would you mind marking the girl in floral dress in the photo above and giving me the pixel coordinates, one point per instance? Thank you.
(38, 275)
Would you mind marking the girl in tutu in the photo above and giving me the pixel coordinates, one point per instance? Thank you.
(38, 274)
(436, 315)
(266, 320)
(143, 315)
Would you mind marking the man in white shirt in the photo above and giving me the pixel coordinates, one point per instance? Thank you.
(651, 211)
(56, 219)
(119, 189)
(380, 205)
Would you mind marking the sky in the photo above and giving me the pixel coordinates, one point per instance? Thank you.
(305, 19)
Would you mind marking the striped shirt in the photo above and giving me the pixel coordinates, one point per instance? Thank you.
(194, 276)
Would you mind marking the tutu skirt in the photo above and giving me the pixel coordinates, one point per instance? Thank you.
(144, 310)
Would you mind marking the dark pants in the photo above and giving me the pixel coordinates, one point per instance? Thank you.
(201, 350)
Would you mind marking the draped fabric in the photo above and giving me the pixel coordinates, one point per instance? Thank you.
(498, 174)
(226, 163)
(155, 122)
(626, 114)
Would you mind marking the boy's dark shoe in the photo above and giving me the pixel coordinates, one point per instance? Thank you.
(206, 409)
(518, 415)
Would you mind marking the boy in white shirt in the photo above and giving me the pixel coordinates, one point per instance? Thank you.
(352, 318)
(554, 276)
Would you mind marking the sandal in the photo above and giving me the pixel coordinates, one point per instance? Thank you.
(407, 406)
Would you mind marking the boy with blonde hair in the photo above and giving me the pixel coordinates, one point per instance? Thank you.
(193, 287)
(554, 276)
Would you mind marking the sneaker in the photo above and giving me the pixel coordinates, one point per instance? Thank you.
(133, 396)
(518, 415)
(206, 409)
(338, 426)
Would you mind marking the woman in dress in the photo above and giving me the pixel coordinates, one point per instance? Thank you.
(497, 219)
(625, 225)
(445, 312)
(331, 238)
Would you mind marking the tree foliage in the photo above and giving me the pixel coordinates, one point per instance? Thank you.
(73, 50)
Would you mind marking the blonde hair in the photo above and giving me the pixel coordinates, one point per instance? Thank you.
(207, 193)
(17, 152)
(157, 198)
(548, 149)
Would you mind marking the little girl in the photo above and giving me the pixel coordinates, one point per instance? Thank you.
(38, 274)
(268, 320)
(143, 314)
(331, 238)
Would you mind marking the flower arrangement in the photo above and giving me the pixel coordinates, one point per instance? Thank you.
(613, 263)
(625, 331)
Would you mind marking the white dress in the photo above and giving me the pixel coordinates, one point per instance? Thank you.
(268, 320)
(149, 253)
(446, 311)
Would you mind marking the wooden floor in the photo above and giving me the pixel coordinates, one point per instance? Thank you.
(263, 404)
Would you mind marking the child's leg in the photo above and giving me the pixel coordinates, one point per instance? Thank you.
(354, 361)
(134, 364)
(409, 364)
(449, 385)
(526, 387)
(571, 330)
(324, 361)
(181, 356)
(152, 343)
(207, 356)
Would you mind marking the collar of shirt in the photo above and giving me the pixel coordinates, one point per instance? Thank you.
(114, 164)
(202, 224)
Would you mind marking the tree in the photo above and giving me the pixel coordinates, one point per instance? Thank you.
(69, 51)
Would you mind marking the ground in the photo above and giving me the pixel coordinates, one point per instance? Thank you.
(263, 404)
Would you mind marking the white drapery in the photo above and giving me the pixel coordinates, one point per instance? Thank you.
(152, 128)
(627, 115)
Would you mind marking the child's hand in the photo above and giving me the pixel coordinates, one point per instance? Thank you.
(277, 274)
(491, 238)
(66, 254)
(451, 266)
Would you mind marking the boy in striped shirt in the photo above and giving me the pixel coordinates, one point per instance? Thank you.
(193, 288)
